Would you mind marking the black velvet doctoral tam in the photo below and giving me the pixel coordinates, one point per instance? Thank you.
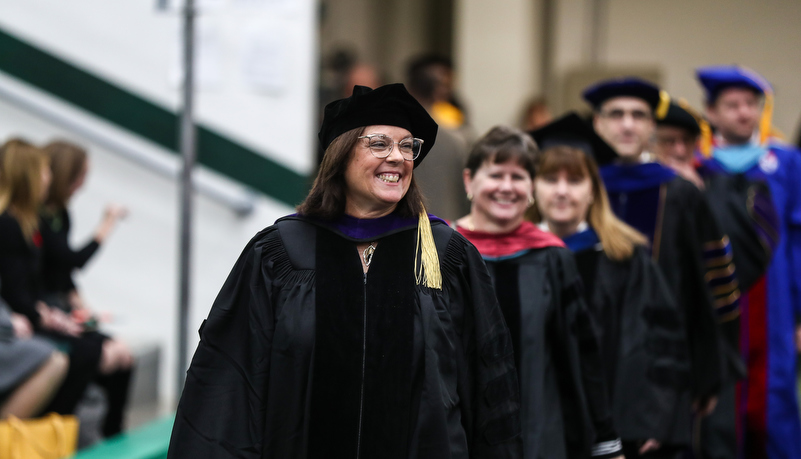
(389, 105)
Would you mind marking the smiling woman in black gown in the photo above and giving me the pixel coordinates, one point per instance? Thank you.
(359, 327)
(564, 409)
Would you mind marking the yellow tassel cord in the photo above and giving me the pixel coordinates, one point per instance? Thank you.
(705, 143)
(664, 105)
(776, 133)
(427, 272)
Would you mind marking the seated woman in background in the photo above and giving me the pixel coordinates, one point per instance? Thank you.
(24, 180)
(69, 165)
(640, 329)
(564, 408)
(31, 369)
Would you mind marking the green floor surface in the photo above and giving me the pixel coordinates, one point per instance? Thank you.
(147, 442)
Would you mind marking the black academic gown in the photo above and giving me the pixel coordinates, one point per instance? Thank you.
(744, 210)
(642, 341)
(685, 240)
(304, 356)
(564, 405)
(688, 228)
(743, 207)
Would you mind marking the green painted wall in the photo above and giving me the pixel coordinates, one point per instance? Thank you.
(147, 119)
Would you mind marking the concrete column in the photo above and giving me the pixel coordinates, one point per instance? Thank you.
(496, 52)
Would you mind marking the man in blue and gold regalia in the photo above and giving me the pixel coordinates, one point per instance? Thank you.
(739, 105)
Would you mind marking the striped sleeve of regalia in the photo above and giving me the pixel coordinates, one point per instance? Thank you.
(721, 278)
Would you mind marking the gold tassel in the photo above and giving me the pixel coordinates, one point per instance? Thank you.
(664, 105)
(705, 145)
(428, 272)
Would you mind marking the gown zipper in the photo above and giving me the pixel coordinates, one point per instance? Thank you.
(364, 361)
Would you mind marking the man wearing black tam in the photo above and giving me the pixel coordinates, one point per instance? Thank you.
(360, 327)
(740, 206)
(676, 138)
(684, 238)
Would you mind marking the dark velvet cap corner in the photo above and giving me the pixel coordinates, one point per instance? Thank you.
(571, 130)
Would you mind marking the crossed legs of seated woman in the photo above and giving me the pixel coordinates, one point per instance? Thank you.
(36, 391)
(95, 358)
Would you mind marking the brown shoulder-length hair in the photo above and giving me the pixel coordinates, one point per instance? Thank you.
(21, 183)
(67, 161)
(618, 238)
(326, 200)
(501, 144)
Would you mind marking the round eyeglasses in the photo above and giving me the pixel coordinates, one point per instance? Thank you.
(381, 146)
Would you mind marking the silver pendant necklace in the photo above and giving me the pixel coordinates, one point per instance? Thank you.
(367, 254)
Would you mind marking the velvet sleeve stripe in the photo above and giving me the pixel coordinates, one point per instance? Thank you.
(724, 285)
(729, 311)
(718, 244)
(714, 260)
(721, 278)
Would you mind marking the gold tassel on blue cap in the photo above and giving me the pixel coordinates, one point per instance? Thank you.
(427, 272)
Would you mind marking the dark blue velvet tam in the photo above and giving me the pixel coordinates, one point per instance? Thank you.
(679, 117)
(604, 90)
(714, 79)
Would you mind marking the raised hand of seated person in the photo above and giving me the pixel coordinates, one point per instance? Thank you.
(112, 214)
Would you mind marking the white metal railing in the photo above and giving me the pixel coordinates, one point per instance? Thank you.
(240, 201)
